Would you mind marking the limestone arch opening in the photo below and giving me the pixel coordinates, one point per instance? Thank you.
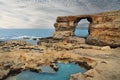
(82, 29)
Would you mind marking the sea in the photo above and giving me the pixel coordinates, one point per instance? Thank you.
(65, 70)
(23, 34)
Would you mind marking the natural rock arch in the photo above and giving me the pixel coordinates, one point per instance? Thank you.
(82, 28)
(104, 28)
(66, 25)
(89, 18)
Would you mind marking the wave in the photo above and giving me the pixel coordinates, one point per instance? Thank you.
(2, 38)
(26, 37)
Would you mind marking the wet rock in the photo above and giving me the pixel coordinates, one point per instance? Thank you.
(54, 66)
(47, 69)
(34, 39)
(26, 37)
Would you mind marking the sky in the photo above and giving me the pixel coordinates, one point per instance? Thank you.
(43, 13)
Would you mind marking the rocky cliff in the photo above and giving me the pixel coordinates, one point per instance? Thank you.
(104, 28)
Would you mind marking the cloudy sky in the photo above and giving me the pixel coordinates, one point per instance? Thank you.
(43, 13)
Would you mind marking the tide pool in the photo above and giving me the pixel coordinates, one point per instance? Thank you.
(64, 72)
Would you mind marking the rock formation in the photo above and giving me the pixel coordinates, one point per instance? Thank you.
(104, 28)
(102, 62)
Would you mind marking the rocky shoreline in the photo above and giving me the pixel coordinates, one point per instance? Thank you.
(19, 60)
(100, 61)
(100, 58)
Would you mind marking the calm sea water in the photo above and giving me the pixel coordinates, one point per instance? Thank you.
(8, 34)
(19, 34)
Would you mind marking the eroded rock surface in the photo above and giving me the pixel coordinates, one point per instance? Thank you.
(94, 58)
(69, 43)
(18, 61)
(104, 28)
(102, 62)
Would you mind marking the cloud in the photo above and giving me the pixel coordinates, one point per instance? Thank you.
(43, 13)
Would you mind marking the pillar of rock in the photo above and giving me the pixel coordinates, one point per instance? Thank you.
(65, 26)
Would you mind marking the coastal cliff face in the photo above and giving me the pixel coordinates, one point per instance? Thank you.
(104, 28)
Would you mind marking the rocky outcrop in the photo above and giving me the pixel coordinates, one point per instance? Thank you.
(65, 26)
(72, 49)
(69, 43)
(104, 28)
(13, 45)
(18, 61)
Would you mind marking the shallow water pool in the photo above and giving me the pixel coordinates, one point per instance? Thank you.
(64, 72)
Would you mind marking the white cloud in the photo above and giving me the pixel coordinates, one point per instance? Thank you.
(43, 13)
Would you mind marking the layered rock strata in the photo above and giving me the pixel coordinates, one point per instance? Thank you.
(104, 28)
